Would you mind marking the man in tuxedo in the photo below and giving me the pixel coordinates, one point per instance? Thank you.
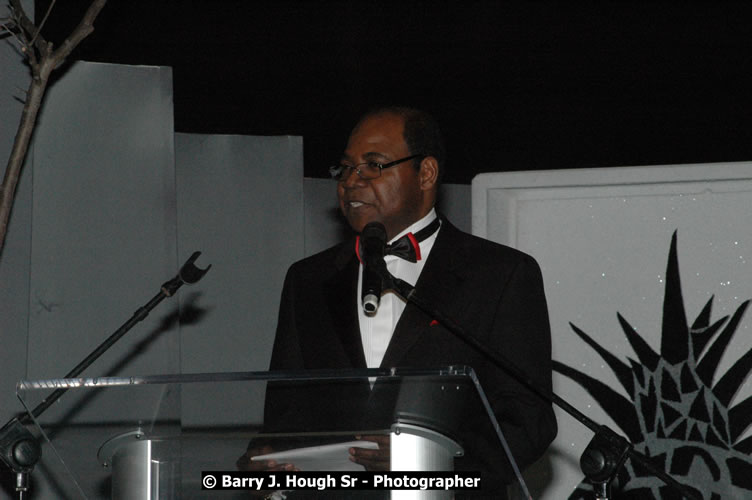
(389, 173)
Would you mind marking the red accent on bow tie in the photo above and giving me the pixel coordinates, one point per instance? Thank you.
(416, 245)
(406, 247)
(434, 322)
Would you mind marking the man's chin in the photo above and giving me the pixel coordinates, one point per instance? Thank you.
(357, 226)
(358, 222)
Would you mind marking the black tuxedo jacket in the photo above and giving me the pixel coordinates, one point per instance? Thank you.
(494, 292)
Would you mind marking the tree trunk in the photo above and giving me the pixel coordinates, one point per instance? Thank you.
(43, 61)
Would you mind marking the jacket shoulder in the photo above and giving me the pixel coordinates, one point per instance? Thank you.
(481, 250)
(324, 262)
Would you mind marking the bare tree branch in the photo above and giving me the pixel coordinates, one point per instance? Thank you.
(43, 61)
(41, 25)
(84, 29)
(11, 33)
(23, 22)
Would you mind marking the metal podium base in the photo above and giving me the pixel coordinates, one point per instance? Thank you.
(415, 448)
(149, 469)
(142, 469)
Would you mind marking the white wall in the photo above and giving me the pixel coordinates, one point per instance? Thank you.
(602, 237)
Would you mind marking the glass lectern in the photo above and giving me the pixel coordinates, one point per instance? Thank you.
(151, 437)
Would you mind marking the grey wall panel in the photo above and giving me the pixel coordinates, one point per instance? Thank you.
(240, 201)
(454, 202)
(324, 224)
(14, 259)
(91, 238)
(103, 233)
(14, 299)
(14, 80)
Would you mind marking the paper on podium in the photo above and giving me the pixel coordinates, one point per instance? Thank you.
(329, 457)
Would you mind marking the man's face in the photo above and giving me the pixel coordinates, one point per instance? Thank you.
(395, 198)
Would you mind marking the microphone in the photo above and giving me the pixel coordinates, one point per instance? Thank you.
(373, 245)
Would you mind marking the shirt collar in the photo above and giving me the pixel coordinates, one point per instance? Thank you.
(416, 226)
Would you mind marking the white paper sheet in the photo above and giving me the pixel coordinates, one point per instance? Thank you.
(329, 457)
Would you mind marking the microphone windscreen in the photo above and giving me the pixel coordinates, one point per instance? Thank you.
(374, 230)
(373, 239)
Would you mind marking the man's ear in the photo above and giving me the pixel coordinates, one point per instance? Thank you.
(429, 173)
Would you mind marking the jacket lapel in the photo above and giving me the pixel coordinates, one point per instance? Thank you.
(438, 285)
(341, 298)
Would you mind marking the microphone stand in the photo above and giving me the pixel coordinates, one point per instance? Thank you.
(19, 449)
(605, 453)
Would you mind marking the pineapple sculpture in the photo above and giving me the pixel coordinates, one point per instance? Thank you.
(675, 414)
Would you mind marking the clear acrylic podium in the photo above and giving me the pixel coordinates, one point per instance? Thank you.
(150, 437)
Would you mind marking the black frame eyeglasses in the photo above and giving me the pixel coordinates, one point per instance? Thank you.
(367, 170)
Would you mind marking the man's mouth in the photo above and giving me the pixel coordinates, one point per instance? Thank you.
(356, 204)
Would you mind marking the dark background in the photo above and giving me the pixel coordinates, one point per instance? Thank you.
(515, 85)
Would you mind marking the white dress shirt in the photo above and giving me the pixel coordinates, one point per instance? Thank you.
(376, 331)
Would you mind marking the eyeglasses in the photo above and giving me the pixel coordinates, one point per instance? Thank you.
(367, 170)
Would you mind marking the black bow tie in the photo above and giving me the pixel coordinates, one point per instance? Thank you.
(407, 247)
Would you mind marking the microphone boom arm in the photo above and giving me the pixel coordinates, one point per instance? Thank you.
(19, 449)
(606, 452)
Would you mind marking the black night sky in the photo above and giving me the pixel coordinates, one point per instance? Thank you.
(515, 85)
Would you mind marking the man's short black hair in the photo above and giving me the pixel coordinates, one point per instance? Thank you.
(421, 133)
